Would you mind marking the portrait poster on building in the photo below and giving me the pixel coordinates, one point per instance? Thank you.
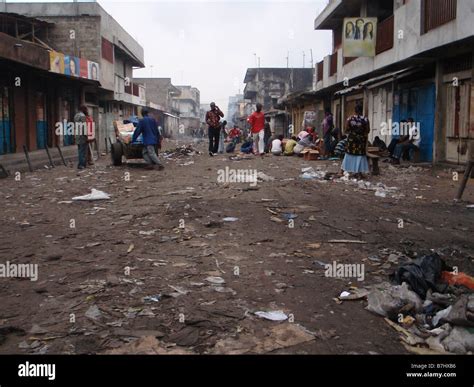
(93, 70)
(56, 62)
(71, 66)
(359, 37)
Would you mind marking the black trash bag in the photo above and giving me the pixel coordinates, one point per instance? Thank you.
(421, 274)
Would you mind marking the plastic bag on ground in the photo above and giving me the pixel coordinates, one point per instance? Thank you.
(388, 302)
(421, 274)
(94, 195)
(458, 279)
(460, 341)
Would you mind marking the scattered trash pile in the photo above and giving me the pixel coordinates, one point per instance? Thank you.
(180, 152)
(430, 304)
(380, 189)
(310, 173)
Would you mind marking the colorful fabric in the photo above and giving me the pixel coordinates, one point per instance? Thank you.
(213, 118)
(357, 129)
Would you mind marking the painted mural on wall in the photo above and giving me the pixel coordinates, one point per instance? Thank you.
(74, 67)
(359, 37)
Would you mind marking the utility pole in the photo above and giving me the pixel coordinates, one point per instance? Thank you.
(304, 59)
(288, 60)
(255, 55)
(258, 62)
(312, 62)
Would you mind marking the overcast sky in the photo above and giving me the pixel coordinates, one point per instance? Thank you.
(210, 44)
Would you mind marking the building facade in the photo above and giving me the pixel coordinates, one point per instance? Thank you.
(85, 30)
(422, 69)
(189, 102)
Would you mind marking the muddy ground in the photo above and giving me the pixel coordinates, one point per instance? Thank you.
(162, 234)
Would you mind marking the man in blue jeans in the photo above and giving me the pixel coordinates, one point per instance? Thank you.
(148, 127)
(410, 144)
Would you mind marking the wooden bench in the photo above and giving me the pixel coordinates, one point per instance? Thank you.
(374, 162)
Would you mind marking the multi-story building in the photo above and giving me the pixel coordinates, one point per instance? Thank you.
(268, 85)
(34, 94)
(85, 30)
(189, 102)
(422, 69)
(233, 108)
(160, 95)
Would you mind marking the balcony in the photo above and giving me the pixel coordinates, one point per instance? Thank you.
(435, 13)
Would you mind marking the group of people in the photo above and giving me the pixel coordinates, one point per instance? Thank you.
(351, 147)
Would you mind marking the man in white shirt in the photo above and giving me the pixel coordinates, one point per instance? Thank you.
(412, 143)
(276, 147)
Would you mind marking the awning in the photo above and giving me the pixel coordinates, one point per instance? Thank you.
(170, 115)
(378, 81)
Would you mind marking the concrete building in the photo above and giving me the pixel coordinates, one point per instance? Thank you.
(233, 108)
(422, 69)
(34, 97)
(189, 102)
(86, 30)
(160, 96)
(268, 85)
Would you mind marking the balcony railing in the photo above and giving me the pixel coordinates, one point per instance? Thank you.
(385, 35)
(438, 12)
(333, 64)
(320, 67)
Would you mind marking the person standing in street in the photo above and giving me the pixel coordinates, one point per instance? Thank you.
(328, 126)
(222, 134)
(357, 129)
(257, 126)
(148, 127)
(213, 118)
(267, 135)
(80, 121)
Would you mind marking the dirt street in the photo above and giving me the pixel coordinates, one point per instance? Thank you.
(159, 267)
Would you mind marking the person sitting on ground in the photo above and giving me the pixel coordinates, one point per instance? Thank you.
(290, 146)
(247, 146)
(276, 146)
(302, 135)
(151, 138)
(234, 134)
(411, 144)
(340, 149)
(303, 144)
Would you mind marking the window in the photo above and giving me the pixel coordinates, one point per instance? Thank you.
(107, 50)
(435, 13)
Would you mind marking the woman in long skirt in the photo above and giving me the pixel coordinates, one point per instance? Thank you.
(357, 129)
(222, 135)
